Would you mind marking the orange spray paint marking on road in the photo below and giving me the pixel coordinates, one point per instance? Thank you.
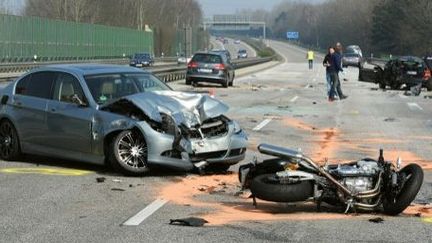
(191, 190)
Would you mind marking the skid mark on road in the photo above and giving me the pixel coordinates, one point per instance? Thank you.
(45, 171)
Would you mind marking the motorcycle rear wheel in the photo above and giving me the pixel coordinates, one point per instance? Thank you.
(268, 188)
(408, 192)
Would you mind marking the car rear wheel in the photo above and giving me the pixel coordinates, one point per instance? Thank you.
(225, 82)
(9, 141)
(128, 153)
(429, 85)
(188, 81)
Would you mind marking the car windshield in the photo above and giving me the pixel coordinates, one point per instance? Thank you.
(141, 56)
(207, 58)
(351, 55)
(107, 87)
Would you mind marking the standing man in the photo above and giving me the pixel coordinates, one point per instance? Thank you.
(335, 69)
(327, 64)
(310, 57)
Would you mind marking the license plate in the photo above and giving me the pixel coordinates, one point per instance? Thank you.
(412, 73)
(204, 70)
(139, 65)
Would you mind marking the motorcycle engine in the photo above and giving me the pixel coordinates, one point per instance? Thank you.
(358, 177)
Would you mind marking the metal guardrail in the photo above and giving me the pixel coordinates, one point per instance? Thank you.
(26, 66)
(166, 73)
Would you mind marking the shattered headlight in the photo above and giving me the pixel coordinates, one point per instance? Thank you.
(237, 128)
(168, 124)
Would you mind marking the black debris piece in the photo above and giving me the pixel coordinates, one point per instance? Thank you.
(191, 221)
(390, 119)
(130, 185)
(100, 179)
(118, 189)
(428, 96)
(314, 103)
(374, 89)
(376, 220)
(417, 215)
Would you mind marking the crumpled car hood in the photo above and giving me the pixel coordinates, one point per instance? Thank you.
(186, 108)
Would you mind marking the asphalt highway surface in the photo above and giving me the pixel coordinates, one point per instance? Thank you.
(51, 200)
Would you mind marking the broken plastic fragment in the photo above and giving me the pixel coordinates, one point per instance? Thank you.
(191, 221)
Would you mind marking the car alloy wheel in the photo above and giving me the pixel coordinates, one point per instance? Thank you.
(128, 153)
(132, 150)
(9, 145)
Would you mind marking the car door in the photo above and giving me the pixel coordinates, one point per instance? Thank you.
(69, 116)
(371, 74)
(29, 107)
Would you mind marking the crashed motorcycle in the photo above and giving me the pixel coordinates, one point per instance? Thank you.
(364, 185)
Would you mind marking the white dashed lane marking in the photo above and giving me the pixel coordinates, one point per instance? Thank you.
(262, 124)
(138, 218)
(414, 107)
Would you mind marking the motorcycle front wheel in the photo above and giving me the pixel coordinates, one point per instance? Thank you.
(414, 175)
(267, 187)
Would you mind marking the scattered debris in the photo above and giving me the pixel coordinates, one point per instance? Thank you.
(428, 96)
(100, 179)
(417, 215)
(283, 107)
(314, 103)
(345, 79)
(118, 189)
(191, 221)
(130, 185)
(390, 119)
(376, 220)
(374, 89)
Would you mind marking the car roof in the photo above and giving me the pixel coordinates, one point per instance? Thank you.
(89, 69)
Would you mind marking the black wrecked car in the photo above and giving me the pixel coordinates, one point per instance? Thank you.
(408, 71)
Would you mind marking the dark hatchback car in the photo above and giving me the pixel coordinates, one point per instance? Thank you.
(210, 67)
(141, 60)
(407, 70)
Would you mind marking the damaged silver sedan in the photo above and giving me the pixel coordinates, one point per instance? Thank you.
(120, 115)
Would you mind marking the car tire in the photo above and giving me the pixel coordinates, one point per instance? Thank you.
(10, 149)
(263, 187)
(382, 85)
(407, 193)
(128, 153)
(225, 82)
(188, 81)
(429, 85)
(231, 83)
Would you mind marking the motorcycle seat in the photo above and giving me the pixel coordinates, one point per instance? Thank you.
(280, 152)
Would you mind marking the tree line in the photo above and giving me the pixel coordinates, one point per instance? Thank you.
(164, 17)
(382, 27)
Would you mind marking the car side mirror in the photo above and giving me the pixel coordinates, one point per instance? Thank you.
(76, 100)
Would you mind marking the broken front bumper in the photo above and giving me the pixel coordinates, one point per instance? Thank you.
(228, 149)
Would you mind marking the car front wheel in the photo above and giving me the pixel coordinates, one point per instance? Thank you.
(128, 153)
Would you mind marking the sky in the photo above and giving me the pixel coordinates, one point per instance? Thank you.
(212, 7)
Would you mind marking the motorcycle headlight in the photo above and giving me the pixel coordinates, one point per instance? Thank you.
(237, 128)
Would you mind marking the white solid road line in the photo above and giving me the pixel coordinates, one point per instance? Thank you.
(145, 213)
(294, 99)
(262, 124)
(414, 106)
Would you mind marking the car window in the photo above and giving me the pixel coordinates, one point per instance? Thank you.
(37, 84)
(66, 86)
(107, 87)
(206, 58)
